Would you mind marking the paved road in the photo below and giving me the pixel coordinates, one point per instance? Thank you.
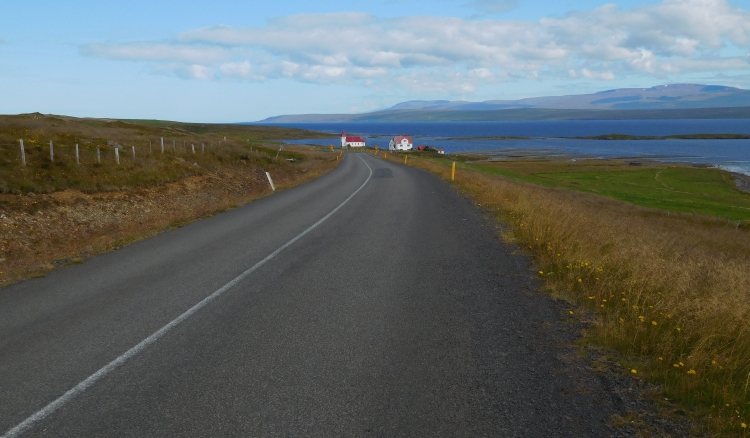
(400, 314)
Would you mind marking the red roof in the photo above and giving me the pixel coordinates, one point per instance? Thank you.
(352, 138)
(398, 138)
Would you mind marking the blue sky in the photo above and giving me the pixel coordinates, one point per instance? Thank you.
(228, 61)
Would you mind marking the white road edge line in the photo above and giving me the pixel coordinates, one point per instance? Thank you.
(107, 369)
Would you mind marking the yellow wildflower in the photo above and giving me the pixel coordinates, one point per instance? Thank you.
(634, 371)
(691, 372)
(654, 323)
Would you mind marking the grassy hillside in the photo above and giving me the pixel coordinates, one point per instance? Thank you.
(55, 212)
(216, 146)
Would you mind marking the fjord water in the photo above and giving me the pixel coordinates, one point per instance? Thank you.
(548, 138)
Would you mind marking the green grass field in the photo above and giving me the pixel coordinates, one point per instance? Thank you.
(682, 189)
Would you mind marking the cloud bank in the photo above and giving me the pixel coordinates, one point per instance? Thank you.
(453, 54)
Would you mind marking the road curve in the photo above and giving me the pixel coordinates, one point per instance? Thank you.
(395, 312)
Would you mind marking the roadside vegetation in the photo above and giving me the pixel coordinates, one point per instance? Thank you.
(59, 211)
(682, 189)
(669, 291)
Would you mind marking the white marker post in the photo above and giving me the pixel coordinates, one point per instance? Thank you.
(78, 158)
(23, 154)
(174, 148)
(98, 155)
(268, 175)
(117, 156)
(133, 153)
(51, 152)
(162, 145)
(192, 146)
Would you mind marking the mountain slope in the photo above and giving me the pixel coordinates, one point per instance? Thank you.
(663, 101)
(659, 97)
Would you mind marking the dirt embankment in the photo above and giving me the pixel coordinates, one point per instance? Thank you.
(742, 181)
(39, 232)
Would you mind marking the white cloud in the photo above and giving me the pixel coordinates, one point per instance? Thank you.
(600, 76)
(434, 53)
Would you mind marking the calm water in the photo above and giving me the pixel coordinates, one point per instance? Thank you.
(732, 155)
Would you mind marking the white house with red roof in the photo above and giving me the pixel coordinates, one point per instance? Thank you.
(401, 143)
(351, 141)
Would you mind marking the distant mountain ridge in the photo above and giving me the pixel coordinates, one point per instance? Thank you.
(677, 96)
(663, 101)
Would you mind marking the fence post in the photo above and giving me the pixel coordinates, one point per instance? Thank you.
(133, 152)
(51, 152)
(149, 146)
(98, 155)
(117, 156)
(268, 175)
(78, 158)
(453, 171)
(192, 146)
(162, 145)
(23, 154)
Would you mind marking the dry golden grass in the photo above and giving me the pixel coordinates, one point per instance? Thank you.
(39, 232)
(52, 213)
(672, 294)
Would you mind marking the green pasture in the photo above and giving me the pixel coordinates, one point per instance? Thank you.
(681, 189)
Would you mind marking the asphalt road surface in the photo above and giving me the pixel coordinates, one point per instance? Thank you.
(373, 301)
